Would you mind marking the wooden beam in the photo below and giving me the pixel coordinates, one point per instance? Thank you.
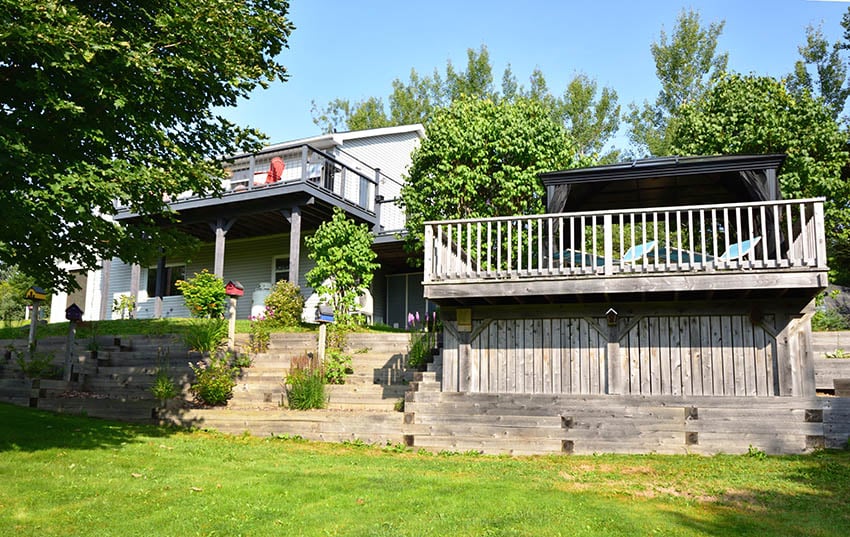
(105, 301)
(294, 243)
(220, 227)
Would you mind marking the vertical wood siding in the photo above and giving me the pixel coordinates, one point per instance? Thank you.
(703, 355)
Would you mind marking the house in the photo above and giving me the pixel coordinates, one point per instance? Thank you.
(254, 233)
(676, 292)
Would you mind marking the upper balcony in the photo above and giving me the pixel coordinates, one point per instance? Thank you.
(764, 248)
(315, 179)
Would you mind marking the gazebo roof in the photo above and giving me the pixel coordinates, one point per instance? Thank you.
(667, 181)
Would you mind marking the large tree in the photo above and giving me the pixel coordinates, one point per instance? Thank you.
(481, 158)
(107, 103)
(757, 115)
(822, 69)
(590, 114)
(686, 63)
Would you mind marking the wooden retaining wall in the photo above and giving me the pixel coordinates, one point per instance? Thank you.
(537, 423)
(652, 352)
(827, 370)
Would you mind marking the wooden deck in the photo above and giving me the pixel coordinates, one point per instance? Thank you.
(775, 245)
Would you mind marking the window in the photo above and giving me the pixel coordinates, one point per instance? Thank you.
(172, 274)
(280, 268)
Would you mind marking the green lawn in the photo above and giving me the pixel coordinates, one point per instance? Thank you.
(64, 475)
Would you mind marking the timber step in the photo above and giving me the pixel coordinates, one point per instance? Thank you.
(370, 427)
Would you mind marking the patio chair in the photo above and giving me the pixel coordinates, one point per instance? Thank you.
(638, 251)
(739, 250)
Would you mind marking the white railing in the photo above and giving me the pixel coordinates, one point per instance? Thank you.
(740, 236)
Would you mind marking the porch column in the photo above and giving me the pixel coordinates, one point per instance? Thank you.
(220, 227)
(294, 218)
(105, 271)
(135, 273)
(160, 288)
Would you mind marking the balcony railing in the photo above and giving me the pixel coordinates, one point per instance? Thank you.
(773, 235)
(306, 164)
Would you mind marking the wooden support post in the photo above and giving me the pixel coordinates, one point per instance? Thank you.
(294, 243)
(69, 349)
(33, 323)
(428, 266)
(220, 227)
(616, 374)
(160, 288)
(105, 301)
(135, 274)
(304, 164)
(608, 243)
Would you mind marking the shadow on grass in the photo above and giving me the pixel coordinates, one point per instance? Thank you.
(27, 429)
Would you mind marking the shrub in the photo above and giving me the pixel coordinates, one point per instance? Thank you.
(214, 382)
(829, 319)
(204, 294)
(305, 384)
(163, 387)
(337, 365)
(206, 335)
(260, 336)
(37, 365)
(124, 306)
(420, 351)
(284, 305)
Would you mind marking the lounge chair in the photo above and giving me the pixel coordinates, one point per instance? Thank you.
(632, 255)
(739, 250)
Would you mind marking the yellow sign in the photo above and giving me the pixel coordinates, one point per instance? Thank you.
(35, 293)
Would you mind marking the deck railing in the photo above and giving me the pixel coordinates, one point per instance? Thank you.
(740, 236)
(306, 164)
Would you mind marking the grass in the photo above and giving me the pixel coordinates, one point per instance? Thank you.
(65, 475)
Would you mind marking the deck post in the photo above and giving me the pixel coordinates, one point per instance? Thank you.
(304, 164)
(608, 243)
(220, 228)
(820, 239)
(428, 266)
(106, 269)
(160, 288)
(294, 217)
(135, 272)
(615, 369)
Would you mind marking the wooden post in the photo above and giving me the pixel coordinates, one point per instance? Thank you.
(294, 243)
(33, 322)
(379, 201)
(135, 272)
(323, 340)
(220, 227)
(69, 347)
(106, 270)
(428, 248)
(160, 287)
(231, 325)
(304, 164)
(615, 369)
(608, 243)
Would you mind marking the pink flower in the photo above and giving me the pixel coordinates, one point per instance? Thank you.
(417, 316)
(410, 319)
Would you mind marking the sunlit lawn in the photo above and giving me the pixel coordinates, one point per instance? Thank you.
(63, 475)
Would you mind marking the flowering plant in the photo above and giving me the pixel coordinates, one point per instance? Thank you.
(425, 340)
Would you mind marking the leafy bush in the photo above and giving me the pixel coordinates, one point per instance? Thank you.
(214, 382)
(204, 294)
(163, 387)
(242, 361)
(305, 384)
(37, 365)
(829, 319)
(206, 335)
(124, 306)
(284, 305)
(337, 365)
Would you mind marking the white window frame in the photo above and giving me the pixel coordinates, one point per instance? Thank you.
(274, 278)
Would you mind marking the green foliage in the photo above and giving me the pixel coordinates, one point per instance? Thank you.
(204, 294)
(481, 158)
(13, 285)
(242, 361)
(829, 320)
(37, 365)
(305, 384)
(284, 305)
(757, 115)
(838, 354)
(106, 102)
(687, 66)
(420, 352)
(756, 453)
(163, 387)
(336, 366)
(260, 335)
(821, 69)
(205, 335)
(124, 306)
(591, 120)
(342, 251)
(214, 381)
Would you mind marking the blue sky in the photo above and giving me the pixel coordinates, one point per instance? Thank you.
(355, 48)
